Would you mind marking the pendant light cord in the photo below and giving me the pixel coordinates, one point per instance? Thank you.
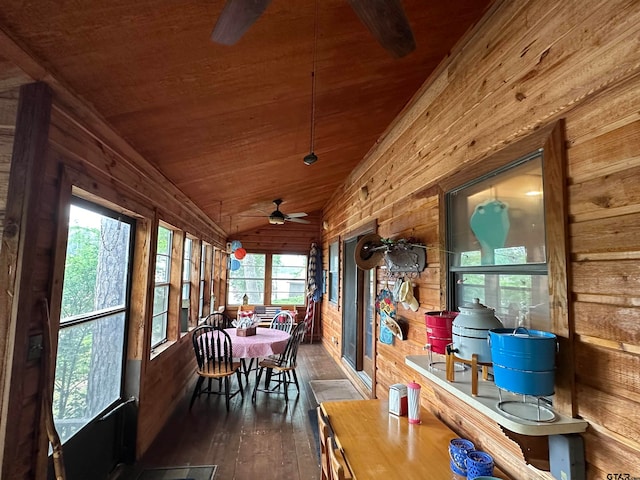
(313, 76)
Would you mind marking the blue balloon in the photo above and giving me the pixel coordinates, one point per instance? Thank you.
(235, 245)
(235, 264)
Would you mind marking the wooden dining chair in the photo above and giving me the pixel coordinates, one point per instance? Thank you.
(214, 354)
(324, 434)
(283, 320)
(283, 367)
(217, 319)
(338, 466)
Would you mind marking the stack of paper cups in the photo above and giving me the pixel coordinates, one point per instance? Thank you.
(414, 402)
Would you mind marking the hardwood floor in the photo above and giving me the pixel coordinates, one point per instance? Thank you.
(265, 440)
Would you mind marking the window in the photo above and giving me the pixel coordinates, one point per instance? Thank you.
(186, 285)
(334, 273)
(95, 298)
(203, 263)
(496, 243)
(248, 280)
(288, 279)
(278, 279)
(162, 287)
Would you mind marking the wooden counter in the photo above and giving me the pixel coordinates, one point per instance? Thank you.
(379, 445)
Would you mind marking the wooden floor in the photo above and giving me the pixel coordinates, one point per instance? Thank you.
(265, 440)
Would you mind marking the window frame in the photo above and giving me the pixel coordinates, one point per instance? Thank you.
(165, 285)
(521, 269)
(230, 277)
(291, 279)
(334, 272)
(99, 315)
(202, 278)
(268, 279)
(551, 140)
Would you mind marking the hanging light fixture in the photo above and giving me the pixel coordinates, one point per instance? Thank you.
(312, 158)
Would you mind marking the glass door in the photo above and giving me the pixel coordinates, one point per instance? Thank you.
(88, 384)
(358, 314)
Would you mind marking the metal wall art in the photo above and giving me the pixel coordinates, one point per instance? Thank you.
(400, 256)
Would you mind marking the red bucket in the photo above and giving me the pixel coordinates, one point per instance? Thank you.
(439, 330)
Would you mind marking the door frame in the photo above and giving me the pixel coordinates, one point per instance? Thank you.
(370, 227)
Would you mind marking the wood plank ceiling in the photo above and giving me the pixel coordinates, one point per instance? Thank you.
(230, 125)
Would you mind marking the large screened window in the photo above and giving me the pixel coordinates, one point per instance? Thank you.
(288, 279)
(269, 279)
(496, 240)
(162, 287)
(248, 280)
(95, 298)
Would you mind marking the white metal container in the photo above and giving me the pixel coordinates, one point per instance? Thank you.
(470, 330)
(398, 399)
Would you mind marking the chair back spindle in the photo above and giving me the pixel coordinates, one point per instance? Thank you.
(338, 465)
(218, 319)
(283, 320)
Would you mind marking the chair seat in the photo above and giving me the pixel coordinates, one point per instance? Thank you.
(228, 370)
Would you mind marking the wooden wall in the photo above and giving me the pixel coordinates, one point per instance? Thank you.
(527, 65)
(8, 107)
(288, 238)
(75, 159)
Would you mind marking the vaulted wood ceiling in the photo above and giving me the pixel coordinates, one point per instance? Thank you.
(230, 125)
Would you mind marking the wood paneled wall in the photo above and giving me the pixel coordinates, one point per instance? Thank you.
(525, 66)
(76, 160)
(288, 238)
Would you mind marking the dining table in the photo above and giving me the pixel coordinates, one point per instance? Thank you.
(266, 342)
(378, 444)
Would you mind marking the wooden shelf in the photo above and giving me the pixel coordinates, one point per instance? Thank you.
(487, 399)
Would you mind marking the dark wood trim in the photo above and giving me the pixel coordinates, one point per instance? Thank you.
(148, 297)
(20, 232)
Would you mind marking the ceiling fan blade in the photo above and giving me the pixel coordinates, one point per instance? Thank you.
(388, 23)
(236, 18)
(296, 220)
(296, 215)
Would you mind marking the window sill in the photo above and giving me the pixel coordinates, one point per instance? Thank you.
(487, 399)
(157, 351)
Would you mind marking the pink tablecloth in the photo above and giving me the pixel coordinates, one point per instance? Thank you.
(266, 341)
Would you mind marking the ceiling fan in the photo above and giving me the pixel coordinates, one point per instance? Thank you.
(385, 19)
(278, 218)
